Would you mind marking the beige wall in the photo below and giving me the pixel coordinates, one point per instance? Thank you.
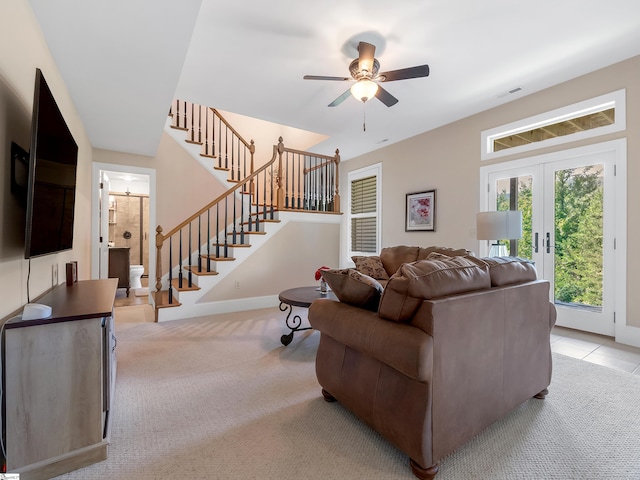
(448, 159)
(22, 49)
(290, 259)
(265, 135)
(183, 185)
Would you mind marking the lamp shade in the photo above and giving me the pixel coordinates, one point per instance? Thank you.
(364, 89)
(503, 225)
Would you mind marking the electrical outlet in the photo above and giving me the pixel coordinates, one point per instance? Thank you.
(54, 274)
(237, 283)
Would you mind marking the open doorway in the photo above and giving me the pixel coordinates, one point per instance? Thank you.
(123, 223)
(128, 223)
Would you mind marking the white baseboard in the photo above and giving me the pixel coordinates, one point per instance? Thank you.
(213, 308)
(628, 335)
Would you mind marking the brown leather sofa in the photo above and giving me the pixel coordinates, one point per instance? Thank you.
(455, 344)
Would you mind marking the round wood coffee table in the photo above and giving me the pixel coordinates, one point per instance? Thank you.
(298, 297)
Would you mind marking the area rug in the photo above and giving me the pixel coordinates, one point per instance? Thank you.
(221, 398)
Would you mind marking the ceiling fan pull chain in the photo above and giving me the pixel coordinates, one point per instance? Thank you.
(364, 117)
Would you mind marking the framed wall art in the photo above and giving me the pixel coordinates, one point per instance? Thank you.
(421, 212)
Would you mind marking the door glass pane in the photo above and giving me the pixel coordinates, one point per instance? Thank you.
(579, 237)
(515, 194)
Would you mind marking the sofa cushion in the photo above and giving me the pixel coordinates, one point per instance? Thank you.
(393, 257)
(371, 266)
(427, 279)
(510, 270)
(424, 253)
(354, 288)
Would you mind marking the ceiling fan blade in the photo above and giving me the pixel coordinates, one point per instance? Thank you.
(340, 99)
(404, 73)
(320, 77)
(385, 97)
(366, 54)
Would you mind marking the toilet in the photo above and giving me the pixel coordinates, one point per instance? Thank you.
(135, 272)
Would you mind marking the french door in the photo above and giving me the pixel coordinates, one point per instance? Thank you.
(568, 206)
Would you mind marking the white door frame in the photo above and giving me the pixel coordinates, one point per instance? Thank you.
(623, 333)
(103, 222)
(97, 167)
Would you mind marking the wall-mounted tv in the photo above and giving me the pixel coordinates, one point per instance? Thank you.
(51, 188)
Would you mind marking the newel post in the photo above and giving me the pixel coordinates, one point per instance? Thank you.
(159, 241)
(280, 191)
(336, 198)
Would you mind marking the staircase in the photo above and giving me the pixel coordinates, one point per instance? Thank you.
(194, 256)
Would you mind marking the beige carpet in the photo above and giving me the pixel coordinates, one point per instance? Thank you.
(221, 398)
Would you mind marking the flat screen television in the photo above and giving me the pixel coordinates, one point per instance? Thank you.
(51, 187)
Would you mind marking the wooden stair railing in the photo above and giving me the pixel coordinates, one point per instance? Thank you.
(309, 182)
(300, 181)
(207, 127)
(247, 216)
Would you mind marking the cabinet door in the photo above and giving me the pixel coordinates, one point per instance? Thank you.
(53, 390)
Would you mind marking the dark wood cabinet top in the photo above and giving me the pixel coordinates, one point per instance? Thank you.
(83, 299)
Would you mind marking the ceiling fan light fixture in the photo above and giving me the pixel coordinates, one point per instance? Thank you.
(364, 89)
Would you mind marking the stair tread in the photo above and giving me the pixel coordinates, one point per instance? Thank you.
(164, 301)
(248, 232)
(268, 220)
(218, 259)
(207, 155)
(235, 245)
(185, 285)
(221, 168)
(203, 272)
(194, 142)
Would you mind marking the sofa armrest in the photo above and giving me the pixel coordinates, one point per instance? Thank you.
(403, 347)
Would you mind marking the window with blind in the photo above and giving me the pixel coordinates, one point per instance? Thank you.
(364, 208)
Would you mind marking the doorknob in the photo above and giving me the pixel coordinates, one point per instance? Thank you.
(535, 243)
(548, 242)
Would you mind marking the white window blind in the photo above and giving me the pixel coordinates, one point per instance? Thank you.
(363, 215)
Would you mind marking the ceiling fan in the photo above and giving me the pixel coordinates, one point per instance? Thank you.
(364, 70)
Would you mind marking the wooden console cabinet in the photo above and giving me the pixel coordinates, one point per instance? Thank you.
(59, 376)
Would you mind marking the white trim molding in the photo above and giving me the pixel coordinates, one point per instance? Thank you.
(615, 100)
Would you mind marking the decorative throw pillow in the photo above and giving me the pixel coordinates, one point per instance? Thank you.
(510, 270)
(354, 288)
(371, 266)
(427, 279)
(438, 256)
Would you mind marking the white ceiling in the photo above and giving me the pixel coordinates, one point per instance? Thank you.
(124, 60)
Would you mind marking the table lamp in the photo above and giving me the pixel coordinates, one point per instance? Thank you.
(502, 225)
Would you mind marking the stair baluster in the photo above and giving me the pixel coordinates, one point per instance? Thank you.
(209, 240)
(234, 239)
(299, 193)
(226, 226)
(190, 275)
(184, 113)
(170, 272)
(218, 230)
(200, 243)
(286, 184)
(180, 260)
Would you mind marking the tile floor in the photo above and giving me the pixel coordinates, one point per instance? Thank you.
(596, 349)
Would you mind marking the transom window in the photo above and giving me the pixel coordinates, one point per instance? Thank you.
(593, 117)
